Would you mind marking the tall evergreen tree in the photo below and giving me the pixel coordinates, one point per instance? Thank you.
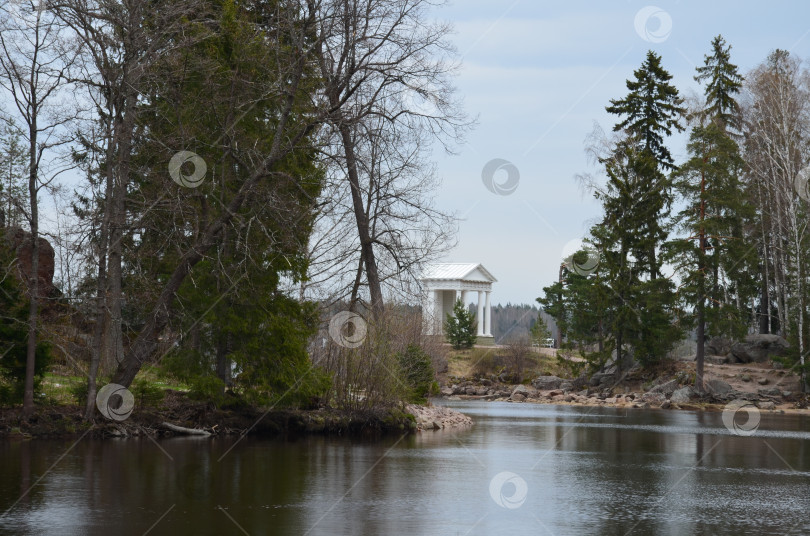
(641, 313)
(724, 83)
(232, 314)
(651, 110)
(713, 258)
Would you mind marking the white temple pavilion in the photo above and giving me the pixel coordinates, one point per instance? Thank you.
(445, 283)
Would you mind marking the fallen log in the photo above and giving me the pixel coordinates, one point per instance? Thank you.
(186, 431)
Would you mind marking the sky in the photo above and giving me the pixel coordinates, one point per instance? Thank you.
(538, 75)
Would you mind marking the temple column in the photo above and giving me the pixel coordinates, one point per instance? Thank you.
(429, 312)
(480, 313)
(488, 326)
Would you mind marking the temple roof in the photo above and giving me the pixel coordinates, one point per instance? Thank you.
(459, 271)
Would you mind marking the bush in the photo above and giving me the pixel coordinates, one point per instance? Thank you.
(485, 362)
(208, 388)
(417, 373)
(78, 391)
(146, 394)
(518, 358)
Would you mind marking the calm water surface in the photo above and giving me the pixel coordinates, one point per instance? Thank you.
(554, 470)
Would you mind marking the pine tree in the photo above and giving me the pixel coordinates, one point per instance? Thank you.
(460, 327)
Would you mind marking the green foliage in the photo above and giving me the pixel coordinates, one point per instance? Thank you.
(208, 389)
(714, 262)
(723, 82)
(460, 327)
(78, 391)
(14, 336)
(623, 307)
(539, 331)
(146, 393)
(651, 110)
(239, 325)
(417, 373)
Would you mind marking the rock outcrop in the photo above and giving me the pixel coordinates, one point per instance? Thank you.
(437, 417)
(759, 348)
(19, 242)
(547, 383)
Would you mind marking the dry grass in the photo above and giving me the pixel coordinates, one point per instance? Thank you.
(463, 363)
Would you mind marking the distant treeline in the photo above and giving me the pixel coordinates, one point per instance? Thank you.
(513, 322)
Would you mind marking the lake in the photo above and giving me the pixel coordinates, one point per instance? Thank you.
(522, 469)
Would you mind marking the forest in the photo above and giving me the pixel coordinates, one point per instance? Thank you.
(716, 243)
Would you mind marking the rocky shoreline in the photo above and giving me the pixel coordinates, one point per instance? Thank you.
(666, 392)
(437, 417)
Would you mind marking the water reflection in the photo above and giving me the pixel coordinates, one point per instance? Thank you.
(587, 471)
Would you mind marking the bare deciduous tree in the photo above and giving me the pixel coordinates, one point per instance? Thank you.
(35, 61)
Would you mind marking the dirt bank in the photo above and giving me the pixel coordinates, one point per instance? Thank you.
(178, 410)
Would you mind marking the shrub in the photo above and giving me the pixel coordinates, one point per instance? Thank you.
(146, 394)
(518, 358)
(485, 362)
(78, 391)
(208, 388)
(417, 373)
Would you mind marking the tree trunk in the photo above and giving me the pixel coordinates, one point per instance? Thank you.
(701, 290)
(361, 218)
(33, 277)
(101, 292)
(223, 361)
(701, 340)
(764, 302)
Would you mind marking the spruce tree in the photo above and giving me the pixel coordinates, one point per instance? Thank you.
(460, 327)
(713, 251)
(639, 312)
(724, 83)
(651, 110)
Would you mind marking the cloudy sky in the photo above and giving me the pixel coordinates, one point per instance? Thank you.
(538, 75)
